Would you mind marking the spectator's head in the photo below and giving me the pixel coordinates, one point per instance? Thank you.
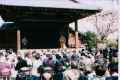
(1, 54)
(47, 73)
(34, 53)
(113, 67)
(64, 56)
(19, 58)
(28, 55)
(53, 52)
(37, 56)
(47, 76)
(82, 54)
(100, 70)
(58, 56)
(82, 50)
(74, 65)
(50, 57)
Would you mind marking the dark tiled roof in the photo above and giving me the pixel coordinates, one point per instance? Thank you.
(67, 4)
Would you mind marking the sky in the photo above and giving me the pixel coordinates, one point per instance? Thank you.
(1, 21)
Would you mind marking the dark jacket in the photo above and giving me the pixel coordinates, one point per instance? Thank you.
(21, 63)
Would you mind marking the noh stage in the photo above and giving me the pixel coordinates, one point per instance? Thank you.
(39, 23)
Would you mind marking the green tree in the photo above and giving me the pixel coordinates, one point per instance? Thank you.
(89, 38)
(112, 43)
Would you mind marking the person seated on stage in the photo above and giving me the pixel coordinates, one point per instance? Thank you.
(71, 40)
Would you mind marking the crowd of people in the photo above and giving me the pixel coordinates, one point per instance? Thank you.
(58, 64)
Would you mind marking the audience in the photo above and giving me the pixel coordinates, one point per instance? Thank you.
(57, 64)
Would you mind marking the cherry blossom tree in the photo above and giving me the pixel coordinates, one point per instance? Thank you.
(106, 23)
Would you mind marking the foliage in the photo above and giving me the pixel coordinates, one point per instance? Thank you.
(112, 43)
(89, 38)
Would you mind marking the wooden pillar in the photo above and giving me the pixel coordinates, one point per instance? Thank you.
(18, 40)
(76, 26)
(76, 33)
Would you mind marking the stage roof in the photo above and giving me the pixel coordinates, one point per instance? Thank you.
(66, 4)
(62, 11)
